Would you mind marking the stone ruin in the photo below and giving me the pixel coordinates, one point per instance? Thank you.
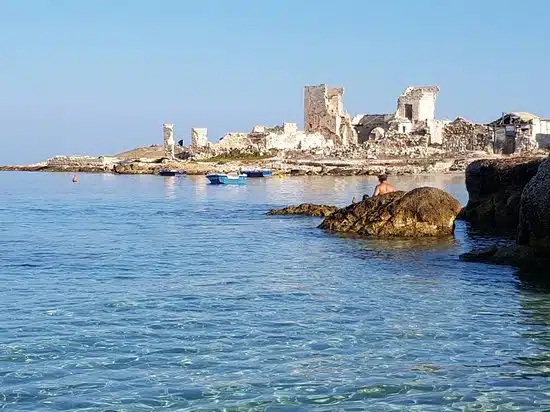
(410, 131)
(414, 115)
(462, 136)
(199, 138)
(324, 113)
(326, 126)
(169, 142)
(264, 139)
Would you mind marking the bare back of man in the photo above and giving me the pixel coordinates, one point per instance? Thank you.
(383, 187)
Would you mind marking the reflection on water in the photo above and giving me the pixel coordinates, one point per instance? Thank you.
(170, 187)
(150, 293)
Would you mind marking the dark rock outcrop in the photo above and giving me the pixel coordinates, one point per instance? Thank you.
(517, 255)
(494, 188)
(425, 211)
(306, 209)
(534, 214)
(532, 248)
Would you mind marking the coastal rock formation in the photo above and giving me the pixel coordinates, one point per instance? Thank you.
(425, 211)
(494, 187)
(534, 214)
(516, 255)
(532, 247)
(306, 209)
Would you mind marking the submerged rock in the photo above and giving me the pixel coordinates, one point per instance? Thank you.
(534, 214)
(517, 255)
(425, 211)
(494, 188)
(307, 209)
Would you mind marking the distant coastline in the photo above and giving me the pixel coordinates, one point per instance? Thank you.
(150, 160)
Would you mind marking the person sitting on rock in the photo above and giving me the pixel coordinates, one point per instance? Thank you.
(383, 187)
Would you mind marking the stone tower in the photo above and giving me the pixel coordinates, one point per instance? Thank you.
(169, 143)
(324, 113)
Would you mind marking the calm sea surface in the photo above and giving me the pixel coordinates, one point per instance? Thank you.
(144, 293)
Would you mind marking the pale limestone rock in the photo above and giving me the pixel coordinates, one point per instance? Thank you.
(169, 142)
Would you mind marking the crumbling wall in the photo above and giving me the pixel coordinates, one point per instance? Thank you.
(199, 137)
(324, 114)
(422, 101)
(234, 141)
(436, 129)
(81, 161)
(297, 141)
(462, 135)
(281, 137)
(169, 142)
(397, 145)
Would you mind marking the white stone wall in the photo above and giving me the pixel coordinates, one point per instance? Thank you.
(436, 128)
(422, 99)
(289, 128)
(199, 137)
(234, 141)
(297, 141)
(80, 161)
(169, 142)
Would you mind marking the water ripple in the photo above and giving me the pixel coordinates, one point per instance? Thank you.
(140, 293)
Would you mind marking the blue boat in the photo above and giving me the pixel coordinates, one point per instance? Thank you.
(165, 172)
(257, 173)
(223, 179)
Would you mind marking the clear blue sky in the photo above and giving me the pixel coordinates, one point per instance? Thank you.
(101, 76)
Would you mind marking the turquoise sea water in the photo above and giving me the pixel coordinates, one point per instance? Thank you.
(144, 293)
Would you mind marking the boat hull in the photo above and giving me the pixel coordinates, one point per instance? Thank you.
(257, 173)
(221, 179)
(171, 172)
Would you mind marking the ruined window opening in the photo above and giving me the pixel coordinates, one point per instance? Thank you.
(409, 111)
(404, 129)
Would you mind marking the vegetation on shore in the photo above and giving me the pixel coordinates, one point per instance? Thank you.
(236, 155)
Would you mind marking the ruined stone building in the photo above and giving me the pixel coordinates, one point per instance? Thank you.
(324, 113)
(520, 131)
(326, 125)
(415, 114)
(411, 129)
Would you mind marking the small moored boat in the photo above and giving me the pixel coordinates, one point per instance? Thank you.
(224, 179)
(165, 172)
(257, 173)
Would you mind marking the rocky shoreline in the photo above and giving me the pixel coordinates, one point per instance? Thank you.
(317, 166)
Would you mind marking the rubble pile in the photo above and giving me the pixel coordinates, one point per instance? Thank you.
(461, 136)
(394, 144)
(524, 144)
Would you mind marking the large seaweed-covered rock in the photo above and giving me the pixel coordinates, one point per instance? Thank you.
(494, 187)
(425, 211)
(534, 215)
(307, 209)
